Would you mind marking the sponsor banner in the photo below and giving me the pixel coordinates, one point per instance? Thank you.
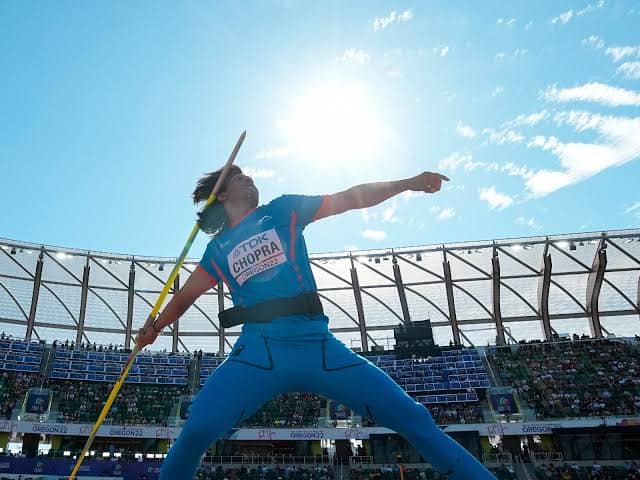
(305, 433)
(360, 433)
(543, 427)
(53, 469)
(256, 255)
(84, 430)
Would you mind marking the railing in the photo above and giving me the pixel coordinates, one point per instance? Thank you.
(360, 460)
(497, 458)
(268, 460)
(547, 457)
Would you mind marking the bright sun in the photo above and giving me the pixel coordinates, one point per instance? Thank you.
(335, 122)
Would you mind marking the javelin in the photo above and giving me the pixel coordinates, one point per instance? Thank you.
(156, 309)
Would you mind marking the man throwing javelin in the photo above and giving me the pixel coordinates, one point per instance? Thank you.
(286, 345)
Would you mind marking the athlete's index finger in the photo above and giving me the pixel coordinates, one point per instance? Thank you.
(444, 177)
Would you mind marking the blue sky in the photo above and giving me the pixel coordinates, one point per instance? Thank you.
(111, 110)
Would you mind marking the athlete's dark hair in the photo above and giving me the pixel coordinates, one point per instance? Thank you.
(213, 218)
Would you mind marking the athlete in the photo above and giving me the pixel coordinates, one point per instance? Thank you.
(286, 345)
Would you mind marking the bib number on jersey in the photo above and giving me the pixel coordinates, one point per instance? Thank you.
(256, 255)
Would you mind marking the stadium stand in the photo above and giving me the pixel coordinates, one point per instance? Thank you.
(573, 379)
(267, 473)
(567, 471)
(289, 410)
(81, 379)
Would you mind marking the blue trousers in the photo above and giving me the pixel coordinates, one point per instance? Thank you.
(307, 358)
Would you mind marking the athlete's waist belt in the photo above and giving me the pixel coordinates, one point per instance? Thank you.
(307, 303)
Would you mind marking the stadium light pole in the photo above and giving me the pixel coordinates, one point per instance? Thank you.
(156, 308)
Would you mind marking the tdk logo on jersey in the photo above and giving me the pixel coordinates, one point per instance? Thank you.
(256, 255)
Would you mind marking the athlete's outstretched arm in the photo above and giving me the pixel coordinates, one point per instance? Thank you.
(198, 282)
(370, 194)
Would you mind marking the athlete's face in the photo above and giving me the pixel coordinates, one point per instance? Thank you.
(241, 189)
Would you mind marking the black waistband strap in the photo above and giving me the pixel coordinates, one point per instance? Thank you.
(307, 303)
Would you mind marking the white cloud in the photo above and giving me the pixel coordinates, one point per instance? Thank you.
(389, 213)
(375, 235)
(567, 16)
(563, 17)
(594, 92)
(507, 22)
(518, 52)
(619, 53)
(618, 143)
(593, 41)
(441, 51)
(630, 70)
(454, 160)
(409, 194)
(259, 172)
(530, 120)
(465, 160)
(465, 130)
(634, 210)
(279, 152)
(355, 56)
(380, 23)
(442, 214)
(514, 170)
(495, 199)
(499, 90)
(545, 143)
(446, 214)
(500, 137)
(528, 222)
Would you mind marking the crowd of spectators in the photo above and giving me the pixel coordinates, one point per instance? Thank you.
(134, 405)
(289, 410)
(573, 379)
(267, 473)
(12, 386)
(565, 471)
(392, 472)
(448, 413)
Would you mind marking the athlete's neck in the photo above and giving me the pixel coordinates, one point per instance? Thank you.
(237, 212)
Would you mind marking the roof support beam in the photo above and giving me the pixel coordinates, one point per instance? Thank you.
(594, 285)
(221, 334)
(495, 297)
(448, 282)
(176, 325)
(401, 292)
(357, 294)
(37, 279)
(544, 284)
(130, 297)
(83, 303)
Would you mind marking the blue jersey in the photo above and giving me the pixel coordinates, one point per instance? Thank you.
(264, 256)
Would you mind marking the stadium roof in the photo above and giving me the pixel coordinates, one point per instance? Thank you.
(588, 284)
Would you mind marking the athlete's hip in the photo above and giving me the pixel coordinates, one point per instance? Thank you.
(306, 350)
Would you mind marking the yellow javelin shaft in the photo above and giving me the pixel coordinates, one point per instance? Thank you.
(154, 312)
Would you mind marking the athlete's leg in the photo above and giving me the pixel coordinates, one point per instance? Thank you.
(235, 391)
(369, 391)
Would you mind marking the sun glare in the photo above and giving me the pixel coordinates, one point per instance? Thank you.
(334, 123)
